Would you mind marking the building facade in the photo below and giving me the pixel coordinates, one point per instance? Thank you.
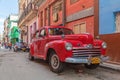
(13, 31)
(75, 14)
(27, 19)
(34, 14)
(5, 32)
(80, 16)
(109, 27)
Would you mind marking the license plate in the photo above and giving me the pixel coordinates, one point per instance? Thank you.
(95, 60)
(23, 48)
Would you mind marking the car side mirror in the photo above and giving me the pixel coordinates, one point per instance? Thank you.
(97, 37)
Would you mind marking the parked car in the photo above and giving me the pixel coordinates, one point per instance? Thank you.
(21, 46)
(59, 45)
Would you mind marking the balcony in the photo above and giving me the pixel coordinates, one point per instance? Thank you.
(29, 13)
(35, 1)
(39, 2)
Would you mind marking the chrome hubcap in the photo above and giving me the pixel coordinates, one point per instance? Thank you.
(55, 61)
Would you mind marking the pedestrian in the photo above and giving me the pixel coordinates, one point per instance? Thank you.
(10, 46)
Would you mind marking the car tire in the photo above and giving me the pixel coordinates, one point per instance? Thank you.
(55, 64)
(31, 57)
(91, 66)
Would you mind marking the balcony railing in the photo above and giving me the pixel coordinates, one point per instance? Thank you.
(35, 1)
(28, 9)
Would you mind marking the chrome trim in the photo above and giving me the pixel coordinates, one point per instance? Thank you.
(76, 60)
(85, 52)
(85, 60)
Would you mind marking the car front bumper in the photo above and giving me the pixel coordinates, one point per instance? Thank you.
(85, 60)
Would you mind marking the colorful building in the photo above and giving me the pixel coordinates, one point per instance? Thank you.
(13, 30)
(109, 27)
(27, 19)
(75, 14)
(80, 16)
(38, 13)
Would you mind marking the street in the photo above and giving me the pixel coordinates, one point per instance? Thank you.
(16, 66)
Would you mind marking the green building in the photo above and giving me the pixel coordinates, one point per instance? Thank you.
(14, 34)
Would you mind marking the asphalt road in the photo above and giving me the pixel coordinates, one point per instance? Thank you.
(16, 66)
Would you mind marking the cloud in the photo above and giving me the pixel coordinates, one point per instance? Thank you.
(2, 20)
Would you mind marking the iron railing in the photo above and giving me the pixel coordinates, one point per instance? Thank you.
(27, 10)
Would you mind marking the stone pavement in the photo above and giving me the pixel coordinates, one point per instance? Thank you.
(104, 65)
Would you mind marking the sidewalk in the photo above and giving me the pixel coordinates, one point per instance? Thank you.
(111, 66)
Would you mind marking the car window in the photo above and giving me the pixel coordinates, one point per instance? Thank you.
(37, 34)
(60, 31)
(43, 32)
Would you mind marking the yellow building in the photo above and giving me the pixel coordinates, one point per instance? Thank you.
(27, 19)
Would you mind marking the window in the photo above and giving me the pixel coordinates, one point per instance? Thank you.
(35, 27)
(79, 28)
(23, 6)
(41, 19)
(46, 13)
(60, 31)
(73, 1)
(57, 7)
(30, 33)
(42, 32)
(118, 22)
(37, 34)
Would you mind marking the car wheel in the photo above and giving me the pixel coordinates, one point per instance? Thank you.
(31, 57)
(55, 64)
(91, 66)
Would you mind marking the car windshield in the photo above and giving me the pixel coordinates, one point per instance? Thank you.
(60, 31)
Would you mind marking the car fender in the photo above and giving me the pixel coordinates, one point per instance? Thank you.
(31, 49)
(59, 47)
(99, 43)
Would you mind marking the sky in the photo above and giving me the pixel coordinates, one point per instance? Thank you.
(7, 7)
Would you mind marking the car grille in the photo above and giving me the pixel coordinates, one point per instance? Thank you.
(85, 52)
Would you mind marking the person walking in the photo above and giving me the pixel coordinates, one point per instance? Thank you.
(10, 46)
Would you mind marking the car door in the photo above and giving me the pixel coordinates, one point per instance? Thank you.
(42, 42)
(35, 40)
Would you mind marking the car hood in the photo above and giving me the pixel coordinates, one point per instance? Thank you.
(82, 38)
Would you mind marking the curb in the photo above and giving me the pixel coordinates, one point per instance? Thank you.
(110, 66)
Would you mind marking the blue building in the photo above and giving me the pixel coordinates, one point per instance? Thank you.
(109, 27)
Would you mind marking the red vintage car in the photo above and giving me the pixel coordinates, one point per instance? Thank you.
(59, 45)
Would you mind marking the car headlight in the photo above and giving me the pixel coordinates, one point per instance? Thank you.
(104, 45)
(68, 46)
(90, 46)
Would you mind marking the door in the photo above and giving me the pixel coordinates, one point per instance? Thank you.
(35, 41)
(42, 42)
